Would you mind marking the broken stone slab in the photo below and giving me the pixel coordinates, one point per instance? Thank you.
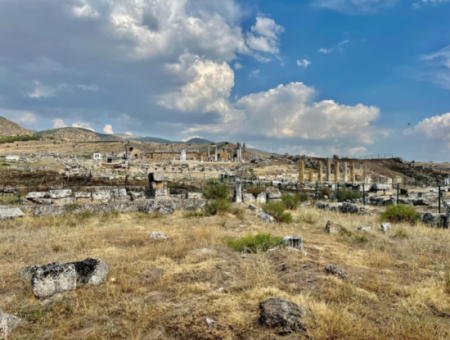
(282, 315)
(7, 213)
(421, 202)
(102, 195)
(52, 279)
(64, 193)
(91, 271)
(365, 229)
(248, 198)
(36, 194)
(7, 324)
(349, 208)
(194, 195)
(294, 242)
(253, 207)
(335, 270)
(381, 186)
(266, 217)
(64, 201)
(261, 198)
(386, 226)
(83, 194)
(44, 201)
(156, 235)
(435, 219)
(274, 196)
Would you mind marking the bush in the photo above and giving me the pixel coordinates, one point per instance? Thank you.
(277, 210)
(216, 192)
(255, 191)
(400, 213)
(19, 139)
(346, 194)
(218, 207)
(255, 243)
(324, 192)
(291, 202)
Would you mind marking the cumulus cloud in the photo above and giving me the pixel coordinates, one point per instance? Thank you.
(59, 123)
(83, 125)
(19, 116)
(356, 6)
(435, 129)
(108, 129)
(303, 63)
(264, 36)
(238, 66)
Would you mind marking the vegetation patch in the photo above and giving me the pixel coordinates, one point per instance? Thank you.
(346, 194)
(216, 192)
(255, 243)
(400, 213)
(277, 210)
(4, 140)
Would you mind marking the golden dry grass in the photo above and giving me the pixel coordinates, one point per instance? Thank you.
(398, 285)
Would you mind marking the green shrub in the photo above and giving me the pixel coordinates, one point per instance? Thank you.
(400, 213)
(19, 139)
(218, 207)
(255, 243)
(277, 210)
(345, 194)
(216, 192)
(291, 202)
(255, 191)
(324, 192)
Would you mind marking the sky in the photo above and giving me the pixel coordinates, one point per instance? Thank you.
(314, 77)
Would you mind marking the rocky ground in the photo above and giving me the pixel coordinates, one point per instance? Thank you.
(347, 284)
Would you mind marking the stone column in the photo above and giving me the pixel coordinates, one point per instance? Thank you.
(345, 172)
(328, 170)
(352, 171)
(320, 174)
(337, 172)
(237, 191)
(301, 171)
(311, 176)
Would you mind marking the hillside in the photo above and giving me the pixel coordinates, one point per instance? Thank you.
(199, 141)
(11, 129)
(78, 135)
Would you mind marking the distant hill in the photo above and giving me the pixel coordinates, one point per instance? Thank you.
(199, 141)
(73, 134)
(11, 129)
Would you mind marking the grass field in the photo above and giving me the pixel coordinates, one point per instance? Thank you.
(398, 283)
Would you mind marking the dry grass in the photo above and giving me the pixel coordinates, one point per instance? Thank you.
(398, 285)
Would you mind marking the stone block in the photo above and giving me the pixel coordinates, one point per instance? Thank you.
(248, 198)
(63, 193)
(7, 213)
(294, 242)
(52, 279)
(266, 217)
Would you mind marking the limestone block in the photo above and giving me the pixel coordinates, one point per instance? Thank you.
(63, 193)
(7, 213)
(248, 198)
(52, 279)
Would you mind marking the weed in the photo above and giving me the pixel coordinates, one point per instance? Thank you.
(307, 217)
(277, 210)
(401, 233)
(218, 207)
(345, 194)
(400, 213)
(291, 202)
(216, 192)
(57, 248)
(255, 243)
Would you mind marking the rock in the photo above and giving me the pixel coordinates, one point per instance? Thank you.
(52, 279)
(137, 195)
(325, 197)
(156, 235)
(305, 204)
(64, 193)
(335, 270)
(381, 186)
(83, 194)
(194, 195)
(120, 194)
(282, 315)
(420, 201)
(32, 195)
(435, 219)
(101, 195)
(332, 228)
(45, 201)
(90, 271)
(248, 198)
(274, 196)
(63, 201)
(323, 206)
(253, 207)
(26, 273)
(385, 226)
(266, 217)
(10, 213)
(7, 324)
(349, 208)
(365, 229)
(261, 198)
(294, 242)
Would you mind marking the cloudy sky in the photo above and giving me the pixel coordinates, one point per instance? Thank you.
(318, 77)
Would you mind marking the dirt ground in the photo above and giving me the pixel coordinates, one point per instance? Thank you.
(398, 284)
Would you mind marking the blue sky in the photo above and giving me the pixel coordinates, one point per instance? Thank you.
(318, 77)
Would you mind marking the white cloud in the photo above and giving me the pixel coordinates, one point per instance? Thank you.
(325, 50)
(84, 10)
(191, 137)
(128, 133)
(357, 150)
(343, 42)
(417, 5)
(59, 123)
(437, 68)
(264, 36)
(108, 129)
(356, 6)
(45, 91)
(238, 66)
(83, 125)
(19, 116)
(255, 73)
(435, 129)
(267, 27)
(303, 63)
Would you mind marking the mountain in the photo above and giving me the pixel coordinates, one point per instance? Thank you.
(199, 141)
(11, 129)
(72, 134)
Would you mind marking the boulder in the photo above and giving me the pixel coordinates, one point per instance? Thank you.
(248, 198)
(420, 201)
(253, 207)
(266, 217)
(7, 324)
(335, 270)
(386, 226)
(90, 271)
(44, 201)
(294, 242)
(156, 235)
(332, 228)
(7, 213)
(282, 315)
(435, 219)
(52, 279)
(349, 208)
(63, 193)
(63, 201)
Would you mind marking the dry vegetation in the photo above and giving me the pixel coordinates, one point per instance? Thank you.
(398, 285)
